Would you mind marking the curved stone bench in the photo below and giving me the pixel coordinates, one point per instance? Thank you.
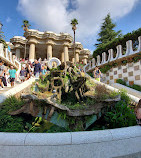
(121, 142)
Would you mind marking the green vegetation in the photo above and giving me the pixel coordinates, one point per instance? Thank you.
(108, 66)
(107, 32)
(119, 41)
(2, 39)
(117, 116)
(25, 25)
(105, 68)
(134, 86)
(10, 123)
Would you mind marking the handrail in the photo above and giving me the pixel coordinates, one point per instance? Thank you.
(119, 54)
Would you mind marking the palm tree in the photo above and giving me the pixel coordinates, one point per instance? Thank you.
(25, 25)
(74, 22)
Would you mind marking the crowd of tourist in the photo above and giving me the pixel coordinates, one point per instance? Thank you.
(8, 75)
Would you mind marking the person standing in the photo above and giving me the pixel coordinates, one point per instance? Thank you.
(44, 71)
(1, 73)
(12, 73)
(97, 74)
(37, 69)
(27, 69)
(22, 74)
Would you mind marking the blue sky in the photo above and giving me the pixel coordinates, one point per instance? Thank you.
(89, 14)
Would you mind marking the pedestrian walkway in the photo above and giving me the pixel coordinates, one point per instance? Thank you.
(5, 89)
(128, 89)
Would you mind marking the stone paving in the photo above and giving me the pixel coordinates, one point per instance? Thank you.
(5, 89)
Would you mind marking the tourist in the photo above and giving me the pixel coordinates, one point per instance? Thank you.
(22, 74)
(2, 69)
(27, 69)
(4, 79)
(138, 112)
(37, 69)
(43, 70)
(7, 77)
(12, 73)
(97, 74)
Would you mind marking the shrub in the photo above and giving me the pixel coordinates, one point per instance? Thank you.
(120, 116)
(121, 81)
(10, 123)
(134, 86)
(105, 68)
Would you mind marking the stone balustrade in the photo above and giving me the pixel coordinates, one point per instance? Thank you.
(119, 55)
(8, 58)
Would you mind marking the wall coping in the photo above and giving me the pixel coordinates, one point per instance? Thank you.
(69, 138)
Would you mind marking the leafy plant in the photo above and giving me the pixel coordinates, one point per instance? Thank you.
(120, 116)
(10, 123)
(121, 81)
(134, 86)
(105, 68)
(117, 41)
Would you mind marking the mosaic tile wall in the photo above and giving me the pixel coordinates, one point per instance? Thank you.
(130, 72)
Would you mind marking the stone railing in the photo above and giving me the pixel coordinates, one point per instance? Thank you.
(119, 55)
(8, 58)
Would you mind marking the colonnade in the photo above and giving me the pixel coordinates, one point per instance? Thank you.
(49, 52)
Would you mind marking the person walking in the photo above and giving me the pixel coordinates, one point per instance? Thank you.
(37, 69)
(12, 73)
(2, 69)
(27, 69)
(97, 74)
(22, 74)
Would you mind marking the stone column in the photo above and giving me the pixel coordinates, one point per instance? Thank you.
(77, 57)
(62, 57)
(66, 54)
(85, 61)
(49, 51)
(32, 52)
(18, 53)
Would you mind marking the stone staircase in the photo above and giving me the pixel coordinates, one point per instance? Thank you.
(8, 58)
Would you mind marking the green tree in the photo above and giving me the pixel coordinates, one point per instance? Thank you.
(25, 25)
(2, 38)
(107, 32)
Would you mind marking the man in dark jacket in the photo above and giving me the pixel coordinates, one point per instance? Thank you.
(37, 69)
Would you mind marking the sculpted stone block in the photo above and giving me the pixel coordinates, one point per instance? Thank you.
(115, 72)
(119, 75)
(130, 73)
(125, 70)
(136, 67)
(137, 77)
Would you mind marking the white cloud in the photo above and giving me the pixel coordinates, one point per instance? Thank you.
(54, 15)
(8, 19)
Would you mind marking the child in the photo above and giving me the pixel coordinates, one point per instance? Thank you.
(43, 70)
(12, 73)
(22, 74)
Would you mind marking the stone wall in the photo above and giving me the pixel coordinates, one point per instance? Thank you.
(91, 144)
(131, 73)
